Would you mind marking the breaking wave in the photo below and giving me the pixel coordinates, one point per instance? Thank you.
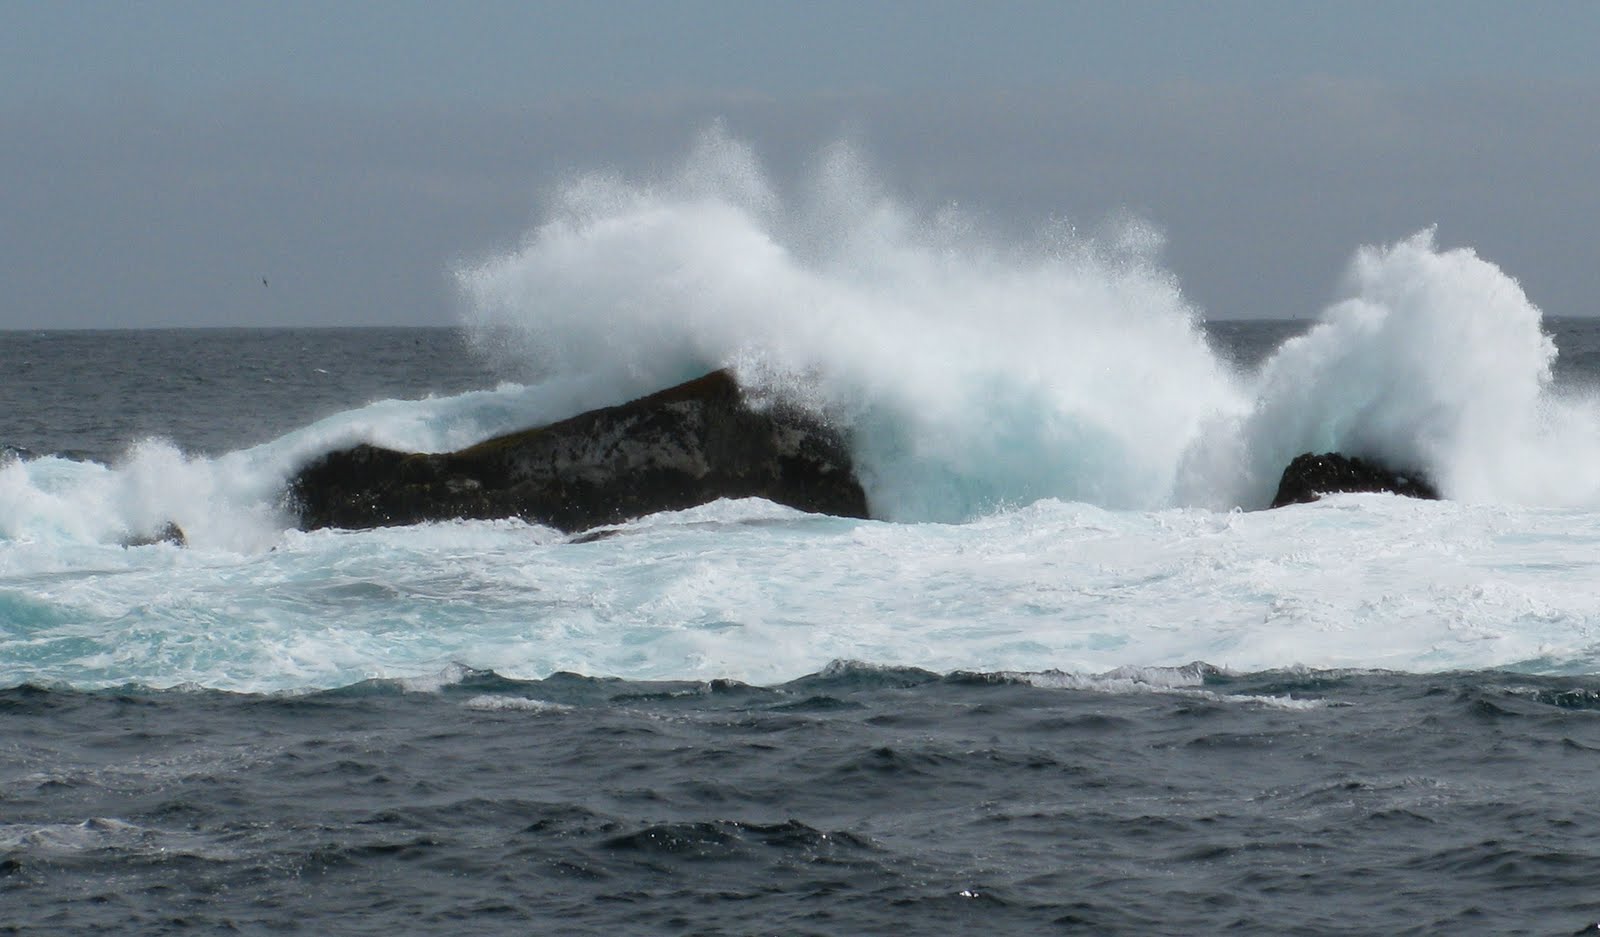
(972, 372)
(975, 372)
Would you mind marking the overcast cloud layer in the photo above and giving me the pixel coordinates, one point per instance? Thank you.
(148, 205)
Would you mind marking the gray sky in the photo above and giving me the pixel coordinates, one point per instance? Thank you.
(158, 159)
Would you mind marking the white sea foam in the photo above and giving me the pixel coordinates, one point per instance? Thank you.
(1176, 681)
(56, 841)
(514, 704)
(747, 591)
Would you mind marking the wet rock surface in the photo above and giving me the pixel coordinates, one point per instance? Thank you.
(166, 533)
(1310, 476)
(687, 445)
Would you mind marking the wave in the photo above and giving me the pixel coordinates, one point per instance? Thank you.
(972, 372)
(1433, 360)
(563, 692)
(235, 501)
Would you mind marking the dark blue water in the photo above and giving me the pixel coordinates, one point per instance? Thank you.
(851, 802)
(92, 393)
(855, 801)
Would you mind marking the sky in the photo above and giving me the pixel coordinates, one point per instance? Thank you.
(158, 160)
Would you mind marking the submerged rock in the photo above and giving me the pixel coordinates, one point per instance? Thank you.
(1309, 477)
(169, 533)
(674, 449)
(595, 536)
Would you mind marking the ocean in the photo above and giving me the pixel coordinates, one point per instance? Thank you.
(1072, 678)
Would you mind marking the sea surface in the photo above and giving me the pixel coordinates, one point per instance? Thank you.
(1071, 678)
(1363, 716)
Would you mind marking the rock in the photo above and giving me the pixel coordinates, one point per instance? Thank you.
(674, 449)
(1309, 477)
(169, 533)
(595, 536)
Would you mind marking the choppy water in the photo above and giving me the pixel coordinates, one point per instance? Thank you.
(851, 801)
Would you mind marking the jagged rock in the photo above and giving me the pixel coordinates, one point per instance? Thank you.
(169, 533)
(1309, 477)
(674, 449)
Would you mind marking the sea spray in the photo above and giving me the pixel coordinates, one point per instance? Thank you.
(971, 373)
(975, 373)
(1433, 361)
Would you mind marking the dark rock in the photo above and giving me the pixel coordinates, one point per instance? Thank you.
(595, 536)
(674, 449)
(169, 533)
(1309, 477)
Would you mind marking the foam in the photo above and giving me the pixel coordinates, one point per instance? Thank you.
(736, 591)
(488, 703)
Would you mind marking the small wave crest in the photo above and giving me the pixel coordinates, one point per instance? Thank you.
(234, 502)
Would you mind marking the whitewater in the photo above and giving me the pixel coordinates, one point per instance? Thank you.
(1072, 677)
(1065, 467)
